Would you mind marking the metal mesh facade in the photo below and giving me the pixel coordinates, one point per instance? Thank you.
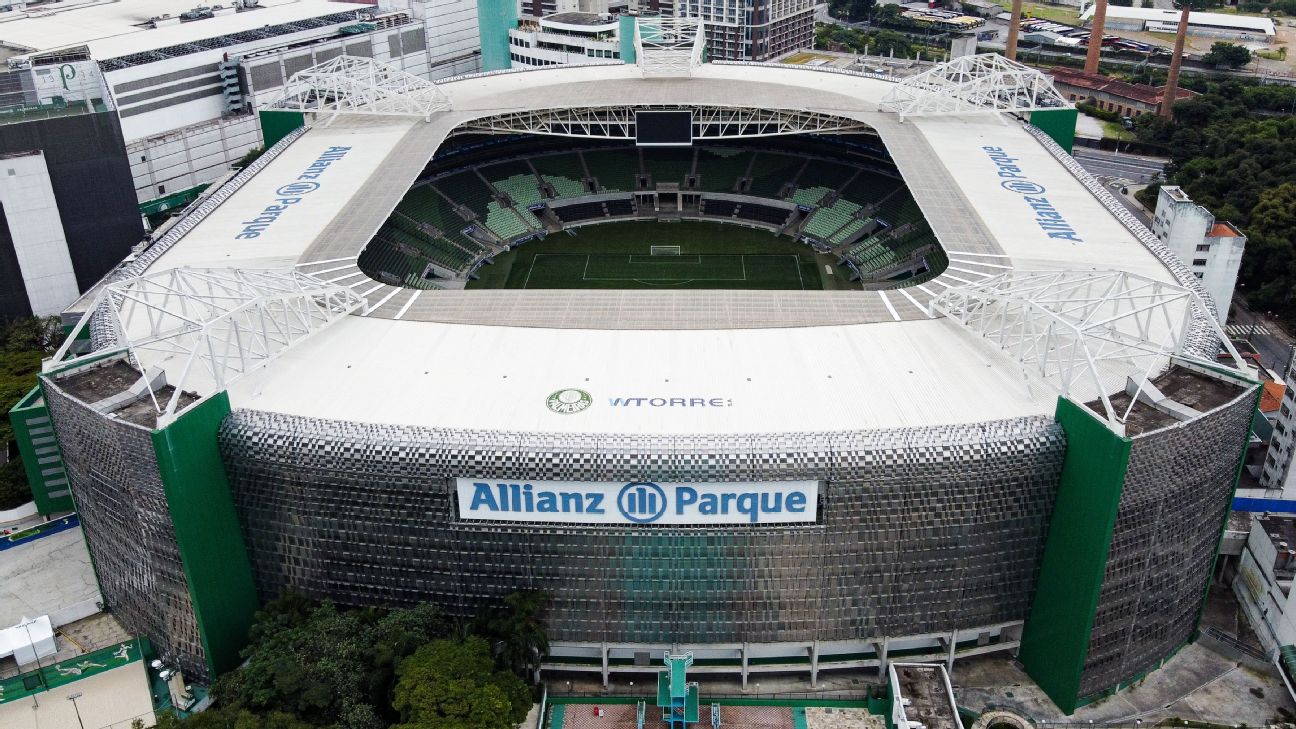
(1172, 508)
(113, 471)
(920, 530)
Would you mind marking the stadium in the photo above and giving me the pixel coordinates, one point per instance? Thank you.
(797, 369)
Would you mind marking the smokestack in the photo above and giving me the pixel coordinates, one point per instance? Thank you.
(1172, 78)
(1014, 27)
(1095, 37)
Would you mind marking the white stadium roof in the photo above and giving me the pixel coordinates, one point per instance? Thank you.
(770, 361)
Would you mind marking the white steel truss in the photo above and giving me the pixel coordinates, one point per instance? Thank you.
(358, 85)
(986, 82)
(618, 122)
(1084, 332)
(667, 46)
(208, 327)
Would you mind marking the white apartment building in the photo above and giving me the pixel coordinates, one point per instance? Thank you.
(569, 38)
(1277, 472)
(1212, 249)
(755, 30)
(1264, 580)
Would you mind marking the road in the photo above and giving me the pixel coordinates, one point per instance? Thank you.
(1117, 170)
(1273, 344)
(1119, 166)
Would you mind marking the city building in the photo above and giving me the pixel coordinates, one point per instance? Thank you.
(1211, 248)
(761, 30)
(1263, 584)
(1109, 94)
(1224, 26)
(795, 480)
(67, 210)
(565, 39)
(182, 82)
(1277, 472)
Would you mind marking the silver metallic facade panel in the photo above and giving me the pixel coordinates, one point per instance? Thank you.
(1177, 491)
(117, 487)
(920, 530)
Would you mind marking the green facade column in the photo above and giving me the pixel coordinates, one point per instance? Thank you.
(207, 530)
(1060, 124)
(495, 18)
(276, 125)
(1055, 639)
(41, 457)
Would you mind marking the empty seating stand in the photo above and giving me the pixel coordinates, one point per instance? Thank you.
(615, 169)
(822, 173)
(767, 214)
(563, 172)
(668, 165)
(579, 211)
(720, 168)
(467, 189)
(771, 171)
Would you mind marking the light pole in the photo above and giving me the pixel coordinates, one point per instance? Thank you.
(40, 672)
(77, 709)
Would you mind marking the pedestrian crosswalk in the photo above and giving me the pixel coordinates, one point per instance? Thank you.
(1245, 330)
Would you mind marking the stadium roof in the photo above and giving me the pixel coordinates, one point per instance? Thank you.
(112, 29)
(777, 361)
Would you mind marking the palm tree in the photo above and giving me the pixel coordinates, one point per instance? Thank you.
(1095, 37)
(520, 642)
(1014, 27)
(1172, 77)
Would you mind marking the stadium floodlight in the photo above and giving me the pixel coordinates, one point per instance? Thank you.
(986, 82)
(207, 327)
(358, 85)
(1086, 333)
(667, 46)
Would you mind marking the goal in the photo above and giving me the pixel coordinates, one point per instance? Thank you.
(664, 250)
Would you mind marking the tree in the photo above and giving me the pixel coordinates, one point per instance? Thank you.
(1228, 55)
(230, 718)
(326, 666)
(518, 638)
(452, 685)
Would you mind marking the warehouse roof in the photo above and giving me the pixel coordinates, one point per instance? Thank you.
(113, 29)
(1209, 20)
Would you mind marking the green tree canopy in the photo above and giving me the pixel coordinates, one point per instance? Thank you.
(1227, 55)
(326, 666)
(450, 684)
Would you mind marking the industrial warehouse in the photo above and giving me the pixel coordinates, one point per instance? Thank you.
(872, 371)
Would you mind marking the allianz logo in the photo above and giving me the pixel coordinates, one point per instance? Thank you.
(639, 502)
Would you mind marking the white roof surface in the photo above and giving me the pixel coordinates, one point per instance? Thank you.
(811, 378)
(1219, 20)
(113, 29)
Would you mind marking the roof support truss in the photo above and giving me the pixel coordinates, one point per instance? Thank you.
(618, 122)
(667, 46)
(211, 326)
(1083, 332)
(358, 85)
(986, 82)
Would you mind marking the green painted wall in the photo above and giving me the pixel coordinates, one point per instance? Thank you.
(627, 33)
(495, 18)
(1055, 638)
(276, 125)
(207, 530)
(172, 201)
(41, 457)
(1060, 124)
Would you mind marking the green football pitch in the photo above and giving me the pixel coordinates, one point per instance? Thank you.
(621, 256)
